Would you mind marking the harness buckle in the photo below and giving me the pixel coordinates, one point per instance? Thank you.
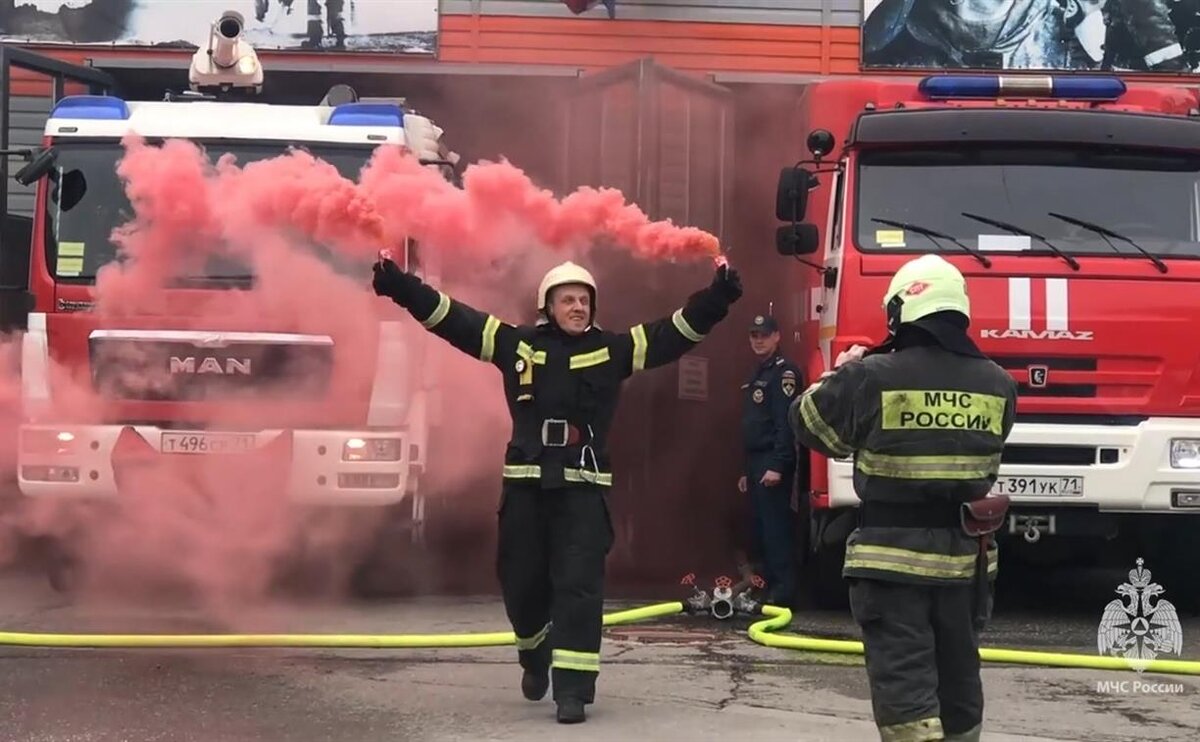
(556, 433)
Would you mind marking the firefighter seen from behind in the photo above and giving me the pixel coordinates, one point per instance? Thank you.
(925, 417)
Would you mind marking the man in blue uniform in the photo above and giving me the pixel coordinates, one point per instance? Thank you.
(770, 448)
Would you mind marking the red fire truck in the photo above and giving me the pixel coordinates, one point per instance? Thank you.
(1072, 206)
(365, 452)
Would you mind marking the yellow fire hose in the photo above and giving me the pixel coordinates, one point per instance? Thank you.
(761, 632)
(359, 641)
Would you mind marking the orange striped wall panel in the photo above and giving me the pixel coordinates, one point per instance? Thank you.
(697, 47)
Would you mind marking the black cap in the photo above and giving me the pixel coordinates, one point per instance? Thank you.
(763, 323)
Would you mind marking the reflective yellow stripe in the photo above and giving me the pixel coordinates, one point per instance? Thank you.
(487, 345)
(880, 565)
(942, 410)
(684, 328)
(814, 422)
(639, 347)
(439, 312)
(522, 471)
(535, 641)
(916, 563)
(586, 360)
(569, 660)
(525, 350)
(913, 731)
(927, 467)
(533, 471)
(588, 476)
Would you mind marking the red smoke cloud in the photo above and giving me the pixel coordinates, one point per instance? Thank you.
(499, 209)
(221, 527)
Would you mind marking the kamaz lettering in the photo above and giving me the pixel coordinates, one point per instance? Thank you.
(210, 365)
(1036, 334)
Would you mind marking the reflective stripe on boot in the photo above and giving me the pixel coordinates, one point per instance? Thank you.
(921, 730)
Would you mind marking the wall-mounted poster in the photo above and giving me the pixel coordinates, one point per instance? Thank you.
(399, 26)
(1109, 35)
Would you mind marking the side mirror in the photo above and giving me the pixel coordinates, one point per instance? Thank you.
(791, 195)
(41, 164)
(797, 239)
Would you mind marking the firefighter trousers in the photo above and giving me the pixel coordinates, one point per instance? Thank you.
(922, 655)
(550, 561)
(774, 530)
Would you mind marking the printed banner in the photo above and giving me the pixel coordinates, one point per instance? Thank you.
(400, 26)
(1101, 35)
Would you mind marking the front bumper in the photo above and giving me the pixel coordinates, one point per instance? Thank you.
(1129, 471)
(94, 462)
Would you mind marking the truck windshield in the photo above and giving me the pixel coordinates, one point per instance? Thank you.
(87, 202)
(1151, 198)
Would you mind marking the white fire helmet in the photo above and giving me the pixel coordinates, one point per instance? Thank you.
(562, 275)
(923, 286)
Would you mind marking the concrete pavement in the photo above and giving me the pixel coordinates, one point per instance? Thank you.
(682, 678)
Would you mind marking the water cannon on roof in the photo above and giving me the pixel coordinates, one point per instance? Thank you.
(229, 61)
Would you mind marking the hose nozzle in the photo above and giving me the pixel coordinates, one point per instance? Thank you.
(722, 604)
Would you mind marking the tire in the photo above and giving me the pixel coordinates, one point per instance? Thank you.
(63, 573)
(829, 589)
(821, 583)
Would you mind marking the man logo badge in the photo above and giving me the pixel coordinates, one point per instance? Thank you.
(1038, 376)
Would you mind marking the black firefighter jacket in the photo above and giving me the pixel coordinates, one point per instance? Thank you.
(555, 382)
(926, 428)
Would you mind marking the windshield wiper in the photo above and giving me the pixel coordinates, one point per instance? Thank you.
(1018, 230)
(932, 235)
(1106, 233)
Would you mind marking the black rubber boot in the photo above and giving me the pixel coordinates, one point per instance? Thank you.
(570, 711)
(534, 684)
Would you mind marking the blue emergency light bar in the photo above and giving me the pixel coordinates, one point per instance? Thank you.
(1064, 87)
(92, 107)
(367, 114)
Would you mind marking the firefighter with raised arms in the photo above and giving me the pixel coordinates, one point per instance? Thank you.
(925, 416)
(562, 378)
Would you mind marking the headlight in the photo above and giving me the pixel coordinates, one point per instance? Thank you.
(371, 449)
(1185, 453)
(48, 442)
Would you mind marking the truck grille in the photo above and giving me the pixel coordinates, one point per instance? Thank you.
(1043, 455)
(1024, 371)
(153, 365)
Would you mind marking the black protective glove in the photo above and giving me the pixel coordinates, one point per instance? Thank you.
(727, 284)
(392, 282)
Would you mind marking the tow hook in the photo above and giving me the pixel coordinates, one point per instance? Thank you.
(1031, 527)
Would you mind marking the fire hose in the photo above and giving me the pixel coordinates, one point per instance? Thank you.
(761, 632)
(331, 641)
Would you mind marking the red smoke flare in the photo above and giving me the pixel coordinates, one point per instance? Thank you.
(222, 528)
